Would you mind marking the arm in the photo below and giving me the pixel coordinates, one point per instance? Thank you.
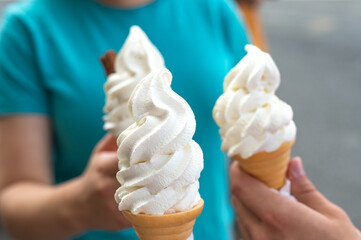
(264, 214)
(30, 207)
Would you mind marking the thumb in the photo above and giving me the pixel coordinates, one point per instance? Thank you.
(303, 189)
(107, 143)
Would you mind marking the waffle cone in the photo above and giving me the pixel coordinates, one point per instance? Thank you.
(269, 167)
(174, 226)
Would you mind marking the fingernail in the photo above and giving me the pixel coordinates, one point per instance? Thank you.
(297, 169)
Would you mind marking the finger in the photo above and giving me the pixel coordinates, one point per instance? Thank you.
(244, 231)
(119, 222)
(108, 163)
(254, 228)
(303, 189)
(120, 219)
(245, 215)
(276, 211)
(123, 222)
(255, 195)
(245, 219)
(107, 143)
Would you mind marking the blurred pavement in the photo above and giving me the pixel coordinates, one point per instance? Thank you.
(317, 47)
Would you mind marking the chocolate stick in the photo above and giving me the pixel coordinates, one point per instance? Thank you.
(108, 61)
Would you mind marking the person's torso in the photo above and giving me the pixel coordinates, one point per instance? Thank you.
(74, 34)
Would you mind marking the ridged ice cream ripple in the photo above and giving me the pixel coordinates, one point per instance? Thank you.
(251, 117)
(159, 163)
(137, 58)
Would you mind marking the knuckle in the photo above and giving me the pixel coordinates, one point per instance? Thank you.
(101, 164)
(236, 187)
(338, 211)
(273, 219)
(96, 162)
(234, 170)
(233, 186)
(102, 189)
(102, 156)
(306, 188)
(100, 168)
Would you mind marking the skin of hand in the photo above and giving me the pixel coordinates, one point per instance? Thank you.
(249, 2)
(126, 3)
(31, 207)
(263, 214)
(99, 179)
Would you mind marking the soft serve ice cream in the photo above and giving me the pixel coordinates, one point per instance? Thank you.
(159, 163)
(251, 117)
(137, 58)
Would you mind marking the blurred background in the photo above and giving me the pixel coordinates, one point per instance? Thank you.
(317, 47)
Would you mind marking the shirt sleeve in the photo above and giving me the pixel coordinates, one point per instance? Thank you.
(234, 31)
(21, 85)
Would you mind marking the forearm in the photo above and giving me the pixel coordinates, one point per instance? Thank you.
(34, 211)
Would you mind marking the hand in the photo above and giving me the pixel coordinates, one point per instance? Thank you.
(53, 212)
(99, 184)
(265, 214)
(249, 2)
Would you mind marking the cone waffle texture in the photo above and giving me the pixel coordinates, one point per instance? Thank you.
(174, 226)
(269, 167)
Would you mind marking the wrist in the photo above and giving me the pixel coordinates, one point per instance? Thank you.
(73, 213)
(49, 212)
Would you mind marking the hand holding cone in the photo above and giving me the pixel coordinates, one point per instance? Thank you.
(268, 167)
(256, 127)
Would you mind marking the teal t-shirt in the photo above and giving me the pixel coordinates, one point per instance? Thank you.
(49, 64)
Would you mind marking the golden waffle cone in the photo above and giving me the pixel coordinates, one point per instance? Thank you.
(269, 167)
(174, 226)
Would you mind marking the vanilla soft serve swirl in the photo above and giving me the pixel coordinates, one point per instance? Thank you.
(251, 117)
(159, 163)
(137, 58)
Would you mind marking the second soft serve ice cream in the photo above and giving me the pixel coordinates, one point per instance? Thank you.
(137, 58)
(251, 117)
